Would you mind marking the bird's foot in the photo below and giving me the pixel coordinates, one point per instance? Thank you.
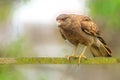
(80, 57)
(71, 56)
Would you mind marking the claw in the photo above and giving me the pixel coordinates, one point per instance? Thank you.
(71, 56)
(80, 57)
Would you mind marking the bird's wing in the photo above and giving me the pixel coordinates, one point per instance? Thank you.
(91, 28)
(62, 34)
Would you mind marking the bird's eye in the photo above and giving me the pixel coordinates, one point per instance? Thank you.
(64, 18)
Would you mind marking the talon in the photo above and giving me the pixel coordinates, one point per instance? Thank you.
(80, 57)
(71, 56)
(82, 54)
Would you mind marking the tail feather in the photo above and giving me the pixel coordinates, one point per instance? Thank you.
(98, 49)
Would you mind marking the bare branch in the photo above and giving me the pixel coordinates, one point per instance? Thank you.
(57, 60)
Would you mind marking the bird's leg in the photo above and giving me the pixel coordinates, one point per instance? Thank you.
(82, 54)
(73, 55)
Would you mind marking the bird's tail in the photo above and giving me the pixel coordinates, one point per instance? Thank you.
(99, 49)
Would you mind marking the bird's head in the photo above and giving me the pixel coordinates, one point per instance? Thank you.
(63, 20)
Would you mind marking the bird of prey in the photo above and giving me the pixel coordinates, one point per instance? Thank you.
(80, 29)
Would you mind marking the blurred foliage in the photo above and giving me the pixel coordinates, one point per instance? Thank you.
(15, 48)
(8, 72)
(7, 7)
(5, 10)
(107, 11)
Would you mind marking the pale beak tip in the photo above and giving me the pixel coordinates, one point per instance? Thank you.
(58, 23)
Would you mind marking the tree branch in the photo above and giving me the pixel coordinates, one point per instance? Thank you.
(57, 60)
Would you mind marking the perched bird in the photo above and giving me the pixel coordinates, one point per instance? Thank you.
(80, 29)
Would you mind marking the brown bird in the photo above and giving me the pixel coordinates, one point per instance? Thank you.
(80, 29)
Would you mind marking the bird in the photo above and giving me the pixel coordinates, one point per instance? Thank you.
(80, 29)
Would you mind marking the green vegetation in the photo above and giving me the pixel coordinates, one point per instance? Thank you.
(7, 7)
(5, 10)
(15, 48)
(8, 72)
(106, 11)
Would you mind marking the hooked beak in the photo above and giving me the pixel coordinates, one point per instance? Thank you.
(58, 22)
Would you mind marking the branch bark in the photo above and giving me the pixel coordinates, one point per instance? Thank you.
(57, 60)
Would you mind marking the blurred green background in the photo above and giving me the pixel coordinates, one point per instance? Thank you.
(39, 37)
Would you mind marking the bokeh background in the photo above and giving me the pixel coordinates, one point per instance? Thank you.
(28, 29)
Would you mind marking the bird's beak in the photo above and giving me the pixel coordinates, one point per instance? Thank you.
(58, 22)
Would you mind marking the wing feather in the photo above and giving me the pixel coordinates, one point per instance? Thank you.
(62, 34)
(91, 28)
